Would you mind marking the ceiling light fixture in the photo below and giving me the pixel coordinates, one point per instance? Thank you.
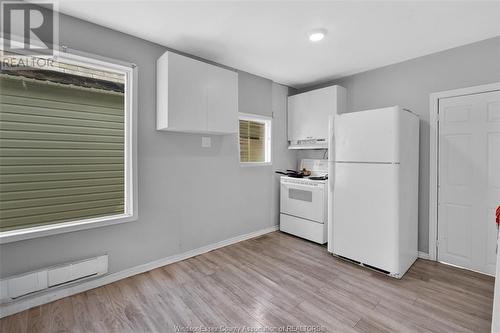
(317, 35)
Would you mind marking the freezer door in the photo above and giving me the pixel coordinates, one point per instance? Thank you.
(367, 136)
(365, 214)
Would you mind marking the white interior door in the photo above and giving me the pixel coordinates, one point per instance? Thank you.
(469, 180)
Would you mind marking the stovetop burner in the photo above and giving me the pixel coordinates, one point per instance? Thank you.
(318, 177)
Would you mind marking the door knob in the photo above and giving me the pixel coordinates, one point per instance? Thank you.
(497, 221)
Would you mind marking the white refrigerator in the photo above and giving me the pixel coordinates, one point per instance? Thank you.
(373, 198)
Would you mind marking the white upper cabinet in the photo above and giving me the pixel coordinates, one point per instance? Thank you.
(308, 115)
(196, 97)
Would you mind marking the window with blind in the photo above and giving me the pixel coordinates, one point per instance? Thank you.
(65, 146)
(255, 139)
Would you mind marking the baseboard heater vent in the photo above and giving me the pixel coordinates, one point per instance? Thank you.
(365, 265)
(22, 285)
(377, 269)
(350, 260)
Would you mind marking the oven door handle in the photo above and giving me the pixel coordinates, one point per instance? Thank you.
(315, 187)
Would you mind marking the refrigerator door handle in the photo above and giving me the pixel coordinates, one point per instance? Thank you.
(331, 151)
(331, 180)
(364, 162)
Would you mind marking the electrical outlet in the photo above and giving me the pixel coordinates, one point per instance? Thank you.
(206, 141)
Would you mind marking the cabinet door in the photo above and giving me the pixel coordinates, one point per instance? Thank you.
(187, 82)
(321, 106)
(308, 114)
(297, 106)
(222, 100)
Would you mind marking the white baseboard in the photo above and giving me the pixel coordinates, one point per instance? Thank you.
(423, 255)
(28, 302)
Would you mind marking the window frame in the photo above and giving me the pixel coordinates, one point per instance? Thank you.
(268, 124)
(130, 154)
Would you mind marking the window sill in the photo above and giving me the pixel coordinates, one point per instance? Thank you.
(255, 164)
(59, 228)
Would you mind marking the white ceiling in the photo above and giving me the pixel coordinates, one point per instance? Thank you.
(270, 38)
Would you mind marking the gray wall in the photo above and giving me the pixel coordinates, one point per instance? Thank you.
(188, 196)
(409, 84)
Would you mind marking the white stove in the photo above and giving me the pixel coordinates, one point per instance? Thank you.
(303, 203)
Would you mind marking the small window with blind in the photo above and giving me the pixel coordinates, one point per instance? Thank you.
(66, 144)
(255, 139)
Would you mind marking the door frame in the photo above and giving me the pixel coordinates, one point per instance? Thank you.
(434, 154)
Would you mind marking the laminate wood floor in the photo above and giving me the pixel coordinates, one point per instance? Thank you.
(268, 282)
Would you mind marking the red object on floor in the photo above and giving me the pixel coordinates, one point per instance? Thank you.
(498, 216)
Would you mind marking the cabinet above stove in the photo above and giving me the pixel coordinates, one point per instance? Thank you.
(308, 115)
